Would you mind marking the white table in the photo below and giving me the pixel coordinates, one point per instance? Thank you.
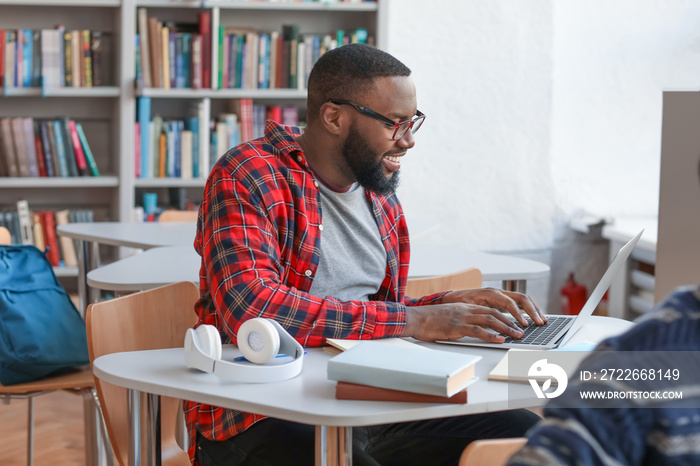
(430, 260)
(150, 269)
(160, 266)
(309, 398)
(135, 235)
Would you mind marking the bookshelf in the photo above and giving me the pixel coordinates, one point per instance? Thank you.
(108, 112)
(95, 109)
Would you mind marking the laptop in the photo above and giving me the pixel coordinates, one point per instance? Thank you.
(559, 328)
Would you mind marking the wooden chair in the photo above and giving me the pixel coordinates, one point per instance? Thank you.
(178, 216)
(152, 319)
(466, 279)
(494, 452)
(5, 236)
(79, 381)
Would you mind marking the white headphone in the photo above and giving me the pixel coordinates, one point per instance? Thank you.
(259, 340)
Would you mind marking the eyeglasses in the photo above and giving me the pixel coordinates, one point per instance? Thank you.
(400, 128)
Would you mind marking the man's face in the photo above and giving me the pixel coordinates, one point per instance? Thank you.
(367, 166)
(371, 156)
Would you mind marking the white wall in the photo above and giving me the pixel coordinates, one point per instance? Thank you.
(536, 110)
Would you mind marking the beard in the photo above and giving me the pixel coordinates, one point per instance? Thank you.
(366, 166)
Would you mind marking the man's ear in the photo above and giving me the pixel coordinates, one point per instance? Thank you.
(333, 119)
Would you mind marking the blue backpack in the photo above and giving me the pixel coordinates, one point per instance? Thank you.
(41, 331)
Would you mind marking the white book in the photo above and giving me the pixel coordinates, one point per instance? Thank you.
(70, 257)
(75, 58)
(221, 139)
(10, 62)
(417, 370)
(186, 151)
(203, 112)
(25, 222)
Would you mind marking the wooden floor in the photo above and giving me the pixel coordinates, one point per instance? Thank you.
(58, 431)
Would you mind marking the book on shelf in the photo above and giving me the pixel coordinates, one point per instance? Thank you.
(174, 55)
(45, 148)
(406, 368)
(352, 391)
(53, 58)
(38, 227)
(68, 253)
(25, 222)
(50, 238)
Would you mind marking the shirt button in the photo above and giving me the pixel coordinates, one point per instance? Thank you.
(320, 227)
(307, 273)
(299, 159)
(316, 183)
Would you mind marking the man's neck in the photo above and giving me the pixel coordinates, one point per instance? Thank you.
(322, 163)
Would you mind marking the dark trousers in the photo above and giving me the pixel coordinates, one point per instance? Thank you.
(273, 442)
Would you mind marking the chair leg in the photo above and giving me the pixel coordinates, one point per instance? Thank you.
(30, 431)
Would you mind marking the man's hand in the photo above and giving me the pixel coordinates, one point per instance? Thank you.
(473, 313)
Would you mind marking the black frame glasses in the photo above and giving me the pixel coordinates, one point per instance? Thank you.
(400, 128)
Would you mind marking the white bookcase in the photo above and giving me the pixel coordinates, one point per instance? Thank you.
(108, 113)
(312, 17)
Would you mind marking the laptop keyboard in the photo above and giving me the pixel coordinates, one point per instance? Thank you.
(539, 334)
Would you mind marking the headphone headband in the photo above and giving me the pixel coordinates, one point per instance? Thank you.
(259, 340)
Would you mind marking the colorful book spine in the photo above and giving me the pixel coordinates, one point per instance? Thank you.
(86, 150)
(144, 116)
(78, 149)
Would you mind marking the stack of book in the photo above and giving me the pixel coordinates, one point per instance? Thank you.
(39, 229)
(33, 148)
(54, 58)
(385, 371)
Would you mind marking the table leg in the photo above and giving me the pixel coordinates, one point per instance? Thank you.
(515, 285)
(153, 438)
(82, 276)
(333, 446)
(134, 405)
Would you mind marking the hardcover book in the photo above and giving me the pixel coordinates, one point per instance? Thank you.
(417, 370)
(352, 391)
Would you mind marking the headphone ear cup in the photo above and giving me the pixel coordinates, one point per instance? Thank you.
(209, 341)
(258, 340)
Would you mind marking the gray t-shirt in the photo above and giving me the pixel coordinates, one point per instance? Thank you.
(353, 260)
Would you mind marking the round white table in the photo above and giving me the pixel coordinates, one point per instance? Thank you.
(160, 266)
(135, 235)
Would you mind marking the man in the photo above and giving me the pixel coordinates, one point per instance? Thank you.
(306, 229)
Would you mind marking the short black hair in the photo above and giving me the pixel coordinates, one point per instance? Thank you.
(347, 71)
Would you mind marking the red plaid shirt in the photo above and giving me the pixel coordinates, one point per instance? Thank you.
(259, 233)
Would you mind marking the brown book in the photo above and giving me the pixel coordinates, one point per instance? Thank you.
(156, 52)
(50, 239)
(351, 391)
(11, 162)
(162, 155)
(70, 258)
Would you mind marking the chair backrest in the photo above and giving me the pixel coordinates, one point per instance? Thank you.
(493, 452)
(5, 237)
(152, 319)
(467, 279)
(178, 216)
